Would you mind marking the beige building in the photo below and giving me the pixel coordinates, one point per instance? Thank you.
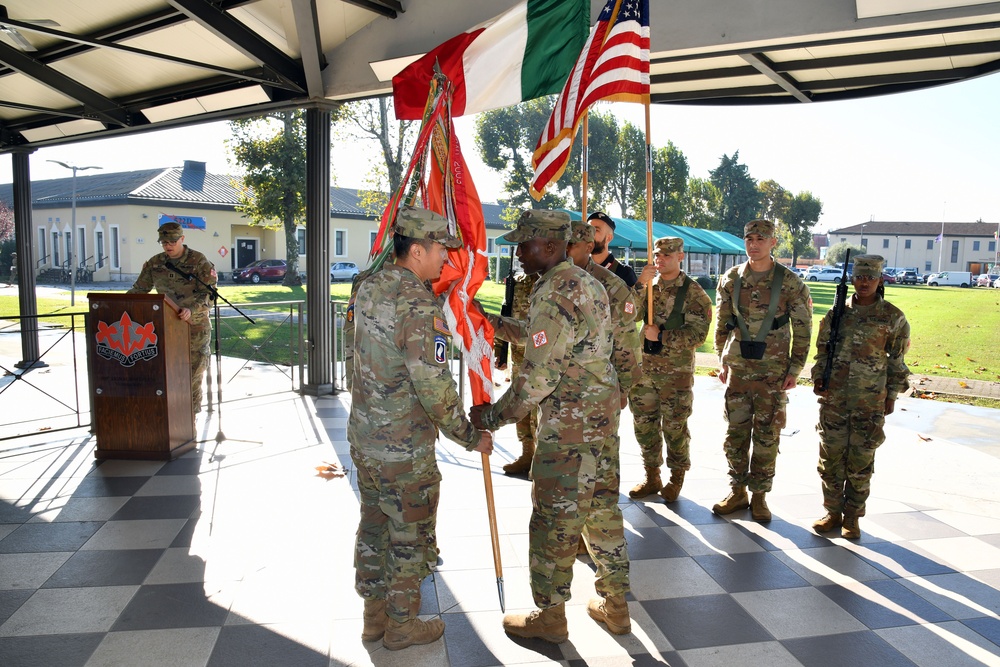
(117, 216)
(961, 246)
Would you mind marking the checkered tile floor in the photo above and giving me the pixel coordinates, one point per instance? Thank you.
(239, 554)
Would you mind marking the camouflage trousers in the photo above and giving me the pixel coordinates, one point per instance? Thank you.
(574, 490)
(847, 444)
(201, 334)
(397, 539)
(755, 412)
(661, 405)
(528, 424)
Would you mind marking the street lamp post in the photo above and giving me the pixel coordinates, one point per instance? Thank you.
(896, 257)
(72, 227)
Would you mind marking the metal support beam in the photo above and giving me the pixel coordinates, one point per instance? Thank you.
(25, 260)
(307, 31)
(763, 65)
(388, 8)
(319, 375)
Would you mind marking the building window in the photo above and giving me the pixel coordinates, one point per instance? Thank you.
(41, 247)
(906, 244)
(115, 257)
(930, 244)
(371, 239)
(885, 243)
(954, 251)
(864, 244)
(490, 246)
(82, 257)
(927, 266)
(55, 250)
(340, 243)
(69, 248)
(975, 246)
(993, 246)
(843, 239)
(99, 242)
(300, 238)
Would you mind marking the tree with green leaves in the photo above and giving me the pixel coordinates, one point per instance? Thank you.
(835, 254)
(505, 139)
(271, 149)
(703, 201)
(372, 121)
(603, 162)
(670, 187)
(774, 201)
(803, 212)
(740, 200)
(627, 181)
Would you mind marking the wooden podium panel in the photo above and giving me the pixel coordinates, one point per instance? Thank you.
(140, 377)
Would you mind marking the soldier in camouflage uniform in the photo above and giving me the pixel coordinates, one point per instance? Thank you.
(526, 426)
(402, 394)
(13, 269)
(663, 399)
(567, 373)
(762, 339)
(868, 373)
(192, 296)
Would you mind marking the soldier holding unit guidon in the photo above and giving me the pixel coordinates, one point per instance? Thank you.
(867, 373)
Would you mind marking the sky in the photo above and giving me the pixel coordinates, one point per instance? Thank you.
(922, 156)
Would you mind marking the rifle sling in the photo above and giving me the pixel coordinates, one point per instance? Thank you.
(772, 307)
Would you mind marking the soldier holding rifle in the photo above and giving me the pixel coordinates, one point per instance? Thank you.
(859, 371)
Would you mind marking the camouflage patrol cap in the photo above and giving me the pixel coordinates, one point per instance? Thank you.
(540, 224)
(763, 227)
(668, 244)
(419, 223)
(169, 231)
(868, 265)
(582, 232)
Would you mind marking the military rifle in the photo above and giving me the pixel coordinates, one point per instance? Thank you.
(839, 302)
(501, 348)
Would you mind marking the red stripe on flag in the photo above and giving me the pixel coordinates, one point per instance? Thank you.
(409, 87)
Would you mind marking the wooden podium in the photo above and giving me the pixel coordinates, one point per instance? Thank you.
(140, 377)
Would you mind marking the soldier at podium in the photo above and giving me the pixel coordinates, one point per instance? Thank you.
(193, 298)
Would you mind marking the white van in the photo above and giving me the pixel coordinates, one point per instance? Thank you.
(952, 278)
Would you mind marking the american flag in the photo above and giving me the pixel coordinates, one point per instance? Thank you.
(613, 66)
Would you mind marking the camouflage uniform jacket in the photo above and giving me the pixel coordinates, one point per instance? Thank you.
(188, 294)
(567, 367)
(626, 353)
(678, 354)
(523, 284)
(755, 297)
(868, 367)
(402, 391)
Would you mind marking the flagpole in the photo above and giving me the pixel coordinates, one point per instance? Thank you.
(585, 155)
(494, 535)
(649, 213)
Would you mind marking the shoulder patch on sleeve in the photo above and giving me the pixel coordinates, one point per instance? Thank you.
(441, 326)
(350, 312)
(629, 307)
(539, 339)
(440, 349)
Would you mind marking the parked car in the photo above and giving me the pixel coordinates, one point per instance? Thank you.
(343, 271)
(986, 279)
(953, 278)
(909, 277)
(996, 283)
(824, 273)
(888, 279)
(269, 270)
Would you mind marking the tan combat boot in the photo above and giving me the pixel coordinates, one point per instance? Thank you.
(548, 624)
(375, 620)
(613, 612)
(413, 631)
(650, 485)
(759, 509)
(672, 490)
(831, 521)
(522, 464)
(850, 529)
(736, 500)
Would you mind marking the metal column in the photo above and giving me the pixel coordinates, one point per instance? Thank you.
(25, 260)
(319, 377)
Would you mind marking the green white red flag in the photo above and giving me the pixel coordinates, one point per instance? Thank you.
(524, 53)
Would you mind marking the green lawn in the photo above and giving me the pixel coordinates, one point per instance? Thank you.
(954, 330)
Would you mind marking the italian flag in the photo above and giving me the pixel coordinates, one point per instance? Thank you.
(524, 53)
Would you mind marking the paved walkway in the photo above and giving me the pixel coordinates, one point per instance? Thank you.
(240, 553)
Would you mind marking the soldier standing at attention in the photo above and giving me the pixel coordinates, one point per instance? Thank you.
(193, 298)
(13, 269)
(663, 398)
(527, 425)
(567, 374)
(604, 233)
(762, 331)
(868, 373)
(402, 393)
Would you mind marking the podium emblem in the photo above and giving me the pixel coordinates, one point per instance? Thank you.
(126, 341)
